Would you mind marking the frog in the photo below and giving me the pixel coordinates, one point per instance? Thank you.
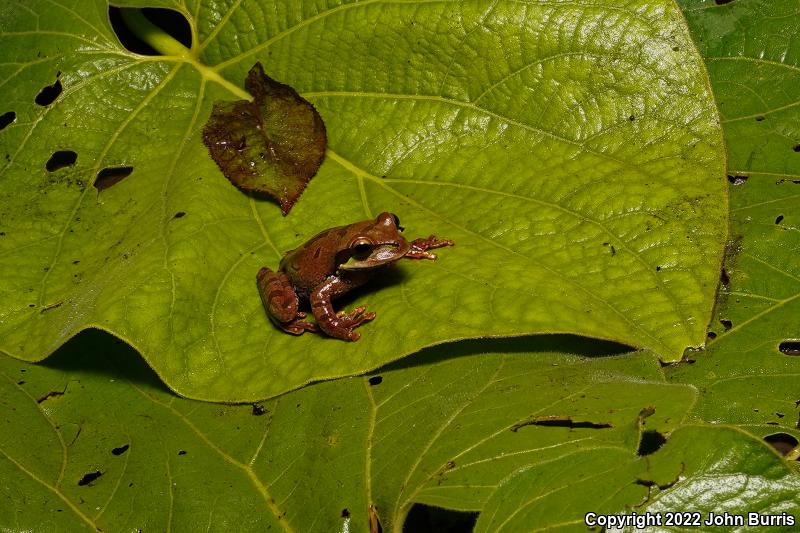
(331, 264)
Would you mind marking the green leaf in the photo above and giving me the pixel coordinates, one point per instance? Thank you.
(571, 151)
(736, 474)
(751, 52)
(443, 433)
(704, 469)
(744, 377)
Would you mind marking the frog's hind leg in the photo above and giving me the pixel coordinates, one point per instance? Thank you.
(281, 302)
(341, 324)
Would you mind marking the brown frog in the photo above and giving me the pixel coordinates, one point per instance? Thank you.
(329, 265)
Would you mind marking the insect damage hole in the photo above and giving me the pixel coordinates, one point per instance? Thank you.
(122, 449)
(129, 23)
(49, 94)
(6, 119)
(89, 477)
(650, 442)
(111, 176)
(738, 180)
(782, 442)
(61, 159)
(790, 347)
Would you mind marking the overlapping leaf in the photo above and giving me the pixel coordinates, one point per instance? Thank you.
(94, 441)
(570, 150)
(446, 432)
(749, 373)
(737, 475)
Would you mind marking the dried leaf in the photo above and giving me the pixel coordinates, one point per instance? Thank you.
(273, 144)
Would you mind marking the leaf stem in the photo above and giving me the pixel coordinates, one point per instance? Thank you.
(158, 39)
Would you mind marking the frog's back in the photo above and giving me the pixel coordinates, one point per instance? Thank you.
(310, 264)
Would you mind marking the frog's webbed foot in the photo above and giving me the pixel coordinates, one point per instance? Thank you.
(419, 247)
(342, 326)
(298, 326)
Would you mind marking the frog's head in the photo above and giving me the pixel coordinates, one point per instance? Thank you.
(374, 243)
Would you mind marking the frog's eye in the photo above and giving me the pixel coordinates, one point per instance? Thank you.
(362, 247)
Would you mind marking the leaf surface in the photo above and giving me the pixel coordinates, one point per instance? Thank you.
(272, 144)
(453, 432)
(749, 372)
(571, 151)
(736, 474)
(442, 433)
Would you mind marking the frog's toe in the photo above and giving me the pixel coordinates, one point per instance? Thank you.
(358, 317)
(298, 327)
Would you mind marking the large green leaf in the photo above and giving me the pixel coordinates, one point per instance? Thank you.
(446, 432)
(571, 151)
(745, 376)
(736, 476)
(94, 440)
(753, 57)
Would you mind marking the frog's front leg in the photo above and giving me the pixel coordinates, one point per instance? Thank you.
(339, 325)
(281, 302)
(419, 247)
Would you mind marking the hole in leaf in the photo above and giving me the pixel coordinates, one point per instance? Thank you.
(790, 347)
(181, 452)
(61, 159)
(51, 394)
(611, 248)
(737, 180)
(121, 449)
(179, 214)
(759, 118)
(375, 380)
(722, 2)
(779, 219)
(559, 422)
(49, 94)
(428, 518)
(345, 513)
(170, 21)
(258, 409)
(89, 477)
(796, 148)
(724, 278)
(712, 335)
(7, 118)
(111, 176)
(782, 442)
(727, 324)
